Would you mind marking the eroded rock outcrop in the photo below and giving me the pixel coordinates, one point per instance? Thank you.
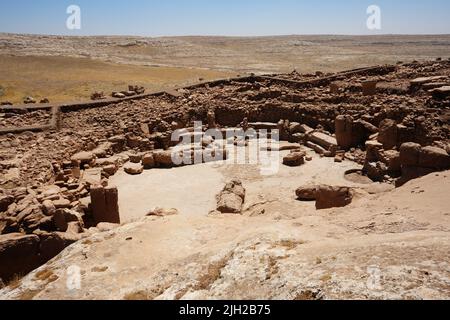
(232, 197)
(326, 197)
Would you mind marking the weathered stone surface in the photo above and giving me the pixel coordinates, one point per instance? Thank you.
(112, 205)
(135, 157)
(74, 227)
(308, 193)
(148, 161)
(410, 154)
(388, 134)
(416, 161)
(18, 254)
(329, 143)
(48, 207)
(105, 226)
(110, 169)
(315, 147)
(344, 131)
(232, 198)
(133, 168)
(102, 150)
(104, 202)
(161, 212)
(294, 159)
(432, 157)
(92, 176)
(369, 87)
(50, 190)
(53, 243)
(61, 203)
(163, 158)
(229, 203)
(5, 201)
(83, 157)
(59, 220)
(333, 197)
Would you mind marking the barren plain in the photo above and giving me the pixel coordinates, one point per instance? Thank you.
(71, 68)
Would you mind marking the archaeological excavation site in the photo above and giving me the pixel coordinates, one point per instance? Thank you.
(353, 205)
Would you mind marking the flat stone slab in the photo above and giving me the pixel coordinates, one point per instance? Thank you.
(92, 176)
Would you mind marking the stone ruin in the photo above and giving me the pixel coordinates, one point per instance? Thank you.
(56, 160)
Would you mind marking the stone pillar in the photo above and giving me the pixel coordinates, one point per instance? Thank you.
(211, 120)
(104, 202)
(112, 204)
(369, 88)
(344, 126)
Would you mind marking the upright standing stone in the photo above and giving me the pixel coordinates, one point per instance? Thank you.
(104, 202)
(344, 132)
(369, 88)
(112, 204)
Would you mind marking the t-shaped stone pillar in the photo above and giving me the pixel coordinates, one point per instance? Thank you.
(105, 204)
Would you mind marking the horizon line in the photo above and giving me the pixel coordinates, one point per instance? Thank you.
(225, 36)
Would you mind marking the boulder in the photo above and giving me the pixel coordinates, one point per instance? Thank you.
(148, 161)
(294, 159)
(83, 157)
(436, 158)
(308, 193)
(110, 169)
(5, 201)
(391, 158)
(163, 159)
(332, 197)
(388, 134)
(232, 197)
(372, 150)
(61, 203)
(327, 142)
(412, 172)
(48, 208)
(32, 221)
(410, 154)
(135, 157)
(92, 176)
(51, 190)
(133, 168)
(74, 227)
(19, 254)
(59, 220)
(8, 225)
(102, 150)
(229, 203)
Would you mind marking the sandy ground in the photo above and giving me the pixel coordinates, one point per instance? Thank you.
(192, 189)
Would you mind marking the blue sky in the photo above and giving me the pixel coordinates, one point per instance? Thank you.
(224, 17)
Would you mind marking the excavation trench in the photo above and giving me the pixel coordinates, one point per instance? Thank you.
(192, 189)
